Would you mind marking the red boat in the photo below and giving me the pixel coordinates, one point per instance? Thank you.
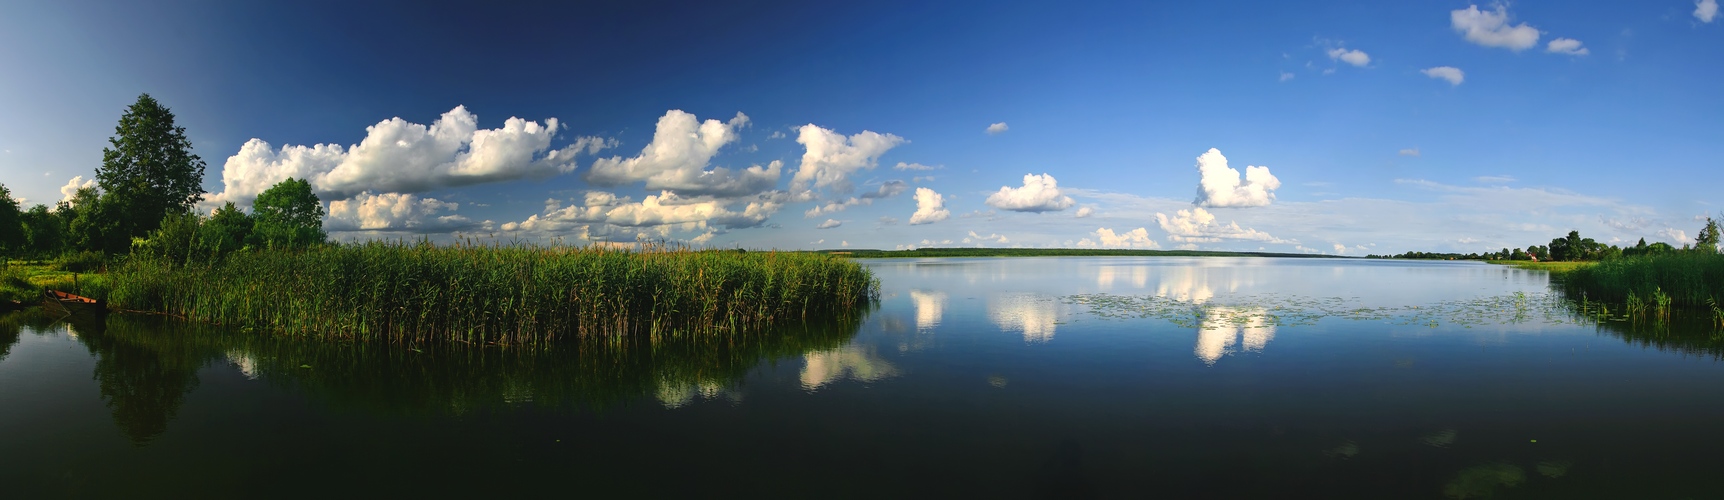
(69, 303)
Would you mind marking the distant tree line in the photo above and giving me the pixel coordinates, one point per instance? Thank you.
(1574, 248)
(147, 188)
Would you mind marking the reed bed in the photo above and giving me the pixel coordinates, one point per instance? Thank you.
(517, 294)
(1654, 282)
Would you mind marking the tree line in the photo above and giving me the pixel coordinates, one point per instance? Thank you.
(1573, 248)
(144, 200)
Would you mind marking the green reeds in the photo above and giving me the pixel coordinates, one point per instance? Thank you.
(497, 294)
(1657, 282)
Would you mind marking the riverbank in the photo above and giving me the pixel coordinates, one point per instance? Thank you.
(504, 294)
(1557, 267)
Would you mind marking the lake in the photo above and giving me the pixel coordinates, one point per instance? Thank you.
(1100, 377)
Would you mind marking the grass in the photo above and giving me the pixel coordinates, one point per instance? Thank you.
(1681, 279)
(24, 281)
(1554, 267)
(498, 294)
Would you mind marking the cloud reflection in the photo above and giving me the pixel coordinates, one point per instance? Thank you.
(1222, 327)
(929, 307)
(851, 361)
(1034, 316)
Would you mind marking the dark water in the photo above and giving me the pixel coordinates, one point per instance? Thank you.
(1004, 378)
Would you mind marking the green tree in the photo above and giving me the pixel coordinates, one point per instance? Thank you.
(1707, 240)
(88, 224)
(44, 232)
(11, 224)
(147, 173)
(288, 215)
(226, 230)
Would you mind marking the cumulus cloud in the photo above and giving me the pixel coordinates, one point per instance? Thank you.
(991, 237)
(677, 159)
(1706, 10)
(72, 186)
(1492, 28)
(1107, 238)
(1353, 57)
(1084, 212)
(829, 224)
(404, 157)
(930, 207)
(912, 166)
(1568, 46)
(998, 128)
(887, 189)
(1409, 152)
(1198, 226)
(1220, 185)
(831, 157)
(603, 215)
(1450, 74)
(395, 212)
(1040, 193)
(1676, 236)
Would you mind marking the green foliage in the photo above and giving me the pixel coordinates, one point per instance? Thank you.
(175, 240)
(89, 222)
(1686, 279)
(12, 240)
(520, 294)
(225, 231)
(80, 262)
(1707, 240)
(288, 215)
(44, 232)
(147, 173)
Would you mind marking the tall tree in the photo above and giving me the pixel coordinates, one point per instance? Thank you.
(44, 232)
(147, 173)
(226, 230)
(11, 224)
(1707, 240)
(288, 214)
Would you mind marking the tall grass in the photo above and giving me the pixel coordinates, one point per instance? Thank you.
(496, 294)
(1681, 279)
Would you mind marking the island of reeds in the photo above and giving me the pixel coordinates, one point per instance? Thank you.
(519, 294)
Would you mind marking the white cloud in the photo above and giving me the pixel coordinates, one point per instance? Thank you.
(1675, 236)
(776, 134)
(887, 189)
(1492, 28)
(1220, 185)
(930, 207)
(1568, 46)
(998, 128)
(1706, 10)
(1107, 238)
(1340, 249)
(1084, 212)
(1286, 76)
(394, 212)
(831, 157)
(912, 166)
(1198, 226)
(1354, 57)
(72, 186)
(604, 216)
(1409, 152)
(1040, 193)
(677, 158)
(1494, 179)
(1449, 73)
(996, 238)
(403, 157)
(829, 224)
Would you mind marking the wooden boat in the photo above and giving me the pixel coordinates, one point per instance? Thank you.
(72, 304)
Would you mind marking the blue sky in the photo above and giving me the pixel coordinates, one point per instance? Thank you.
(1383, 126)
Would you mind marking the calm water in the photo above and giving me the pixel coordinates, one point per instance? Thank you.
(1028, 377)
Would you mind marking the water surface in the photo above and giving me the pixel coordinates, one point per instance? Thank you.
(1022, 377)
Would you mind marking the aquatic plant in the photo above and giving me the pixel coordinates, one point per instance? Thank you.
(1683, 279)
(496, 294)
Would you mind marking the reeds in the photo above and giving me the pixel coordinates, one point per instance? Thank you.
(1656, 282)
(518, 294)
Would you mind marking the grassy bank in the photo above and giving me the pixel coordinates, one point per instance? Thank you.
(517, 295)
(24, 280)
(1686, 279)
(1554, 267)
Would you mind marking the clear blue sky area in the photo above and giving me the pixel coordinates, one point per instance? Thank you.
(1337, 127)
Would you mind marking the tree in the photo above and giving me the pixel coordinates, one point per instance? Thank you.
(11, 224)
(148, 173)
(226, 230)
(88, 224)
(44, 232)
(288, 215)
(1707, 240)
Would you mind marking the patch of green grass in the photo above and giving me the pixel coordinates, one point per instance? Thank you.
(1683, 279)
(1553, 267)
(24, 281)
(502, 294)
